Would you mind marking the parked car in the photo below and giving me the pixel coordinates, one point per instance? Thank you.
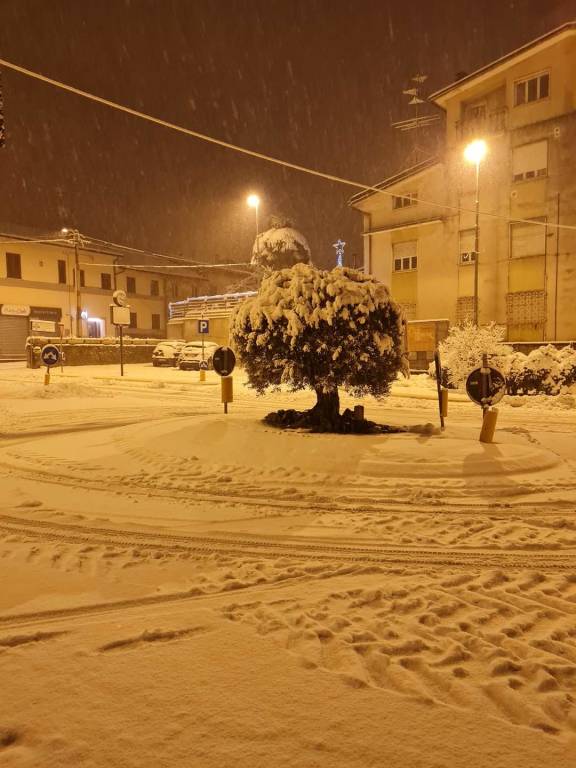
(191, 355)
(166, 353)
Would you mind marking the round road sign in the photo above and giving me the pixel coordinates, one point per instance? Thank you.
(224, 361)
(119, 298)
(486, 386)
(50, 355)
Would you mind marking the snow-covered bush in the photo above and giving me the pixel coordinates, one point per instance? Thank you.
(320, 329)
(546, 371)
(463, 348)
(280, 247)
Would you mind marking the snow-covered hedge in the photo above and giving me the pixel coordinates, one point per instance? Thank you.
(545, 371)
(462, 350)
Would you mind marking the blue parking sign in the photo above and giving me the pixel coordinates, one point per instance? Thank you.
(203, 326)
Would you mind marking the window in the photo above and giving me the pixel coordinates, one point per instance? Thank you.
(467, 246)
(133, 320)
(405, 201)
(530, 161)
(155, 322)
(62, 271)
(527, 239)
(405, 257)
(130, 285)
(82, 279)
(533, 89)
(154, 288)
(106, 281)
(13, 265)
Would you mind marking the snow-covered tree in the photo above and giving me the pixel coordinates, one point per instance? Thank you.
(281, 246)
(311, 328)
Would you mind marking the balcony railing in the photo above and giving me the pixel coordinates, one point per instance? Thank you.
(491, 123)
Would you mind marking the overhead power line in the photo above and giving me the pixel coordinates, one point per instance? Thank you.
(261, 155)
(244, 264)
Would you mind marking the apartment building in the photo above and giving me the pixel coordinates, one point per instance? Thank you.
(54, 284)
(419, 230)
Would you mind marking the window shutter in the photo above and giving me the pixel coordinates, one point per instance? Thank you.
(529, 158)
(528, 240)
(403, 250)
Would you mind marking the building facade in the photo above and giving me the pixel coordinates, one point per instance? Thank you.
(419, 230)
(41, 295)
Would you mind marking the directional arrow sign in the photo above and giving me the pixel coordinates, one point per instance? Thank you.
(50, 355)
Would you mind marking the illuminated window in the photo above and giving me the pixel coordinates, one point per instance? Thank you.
(532, 89)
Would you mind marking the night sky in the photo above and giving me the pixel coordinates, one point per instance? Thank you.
(315, 82)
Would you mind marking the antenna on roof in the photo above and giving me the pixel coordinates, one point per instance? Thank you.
(417, 121)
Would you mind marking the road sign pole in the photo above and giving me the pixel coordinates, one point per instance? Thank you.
(438, 368)
(121, 350)
(47, 377)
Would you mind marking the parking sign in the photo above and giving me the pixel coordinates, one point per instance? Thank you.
(203, 326)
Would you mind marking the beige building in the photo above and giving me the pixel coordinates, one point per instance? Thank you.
(524, 107)
(39, 293)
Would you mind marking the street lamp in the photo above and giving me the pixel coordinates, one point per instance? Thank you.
(254, 202)
(475, 152)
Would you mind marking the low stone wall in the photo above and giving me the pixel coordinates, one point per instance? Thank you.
(92, 351)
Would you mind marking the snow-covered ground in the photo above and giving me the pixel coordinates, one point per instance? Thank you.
(181, 587)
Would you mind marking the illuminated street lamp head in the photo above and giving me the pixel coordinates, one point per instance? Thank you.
(475, 152)
(64, 230)
(253, 201)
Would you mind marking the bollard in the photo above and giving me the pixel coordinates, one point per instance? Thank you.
(47, 377)
(444, 401)
(202, 375)
(488, 425)
(227, 391)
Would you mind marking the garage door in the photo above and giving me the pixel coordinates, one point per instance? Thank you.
(13, 335)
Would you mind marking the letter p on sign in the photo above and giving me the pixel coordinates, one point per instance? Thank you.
(203, 326)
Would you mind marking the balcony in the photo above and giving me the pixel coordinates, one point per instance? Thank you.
(482, 124)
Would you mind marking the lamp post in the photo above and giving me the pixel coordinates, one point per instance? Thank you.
(475, 153)
(254, 202)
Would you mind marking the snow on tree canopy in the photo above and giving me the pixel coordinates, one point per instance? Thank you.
(280, 247)
(320, 329)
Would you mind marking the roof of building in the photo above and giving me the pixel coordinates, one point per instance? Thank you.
(127, 257)
(529, 48)
(395, 179)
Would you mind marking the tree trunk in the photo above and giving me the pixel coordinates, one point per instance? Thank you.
(327, 408)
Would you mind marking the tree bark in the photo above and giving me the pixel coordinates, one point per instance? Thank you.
(327, 408)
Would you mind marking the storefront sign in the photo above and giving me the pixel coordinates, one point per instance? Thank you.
(53, 314)
(44, 326)
(14, 310)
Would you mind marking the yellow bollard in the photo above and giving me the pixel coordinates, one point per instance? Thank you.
(47, 377)
(202, 375)
(488, 425)
(227, 391)
(444, 396)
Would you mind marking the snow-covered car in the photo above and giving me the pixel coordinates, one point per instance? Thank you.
(166, 353)
(191, 355)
